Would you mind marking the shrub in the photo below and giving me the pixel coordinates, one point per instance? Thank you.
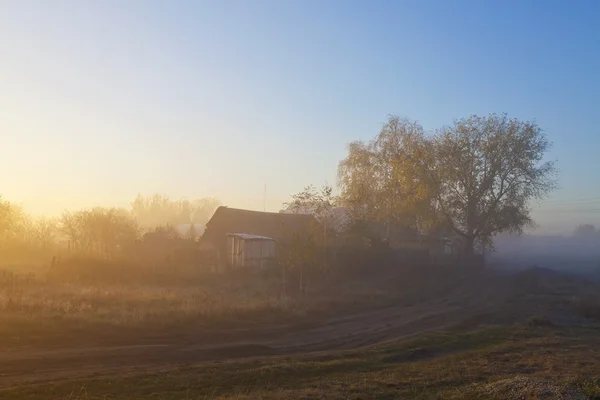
(588, 306)
(11, 288)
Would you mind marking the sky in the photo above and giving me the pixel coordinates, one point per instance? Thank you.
(100, 101)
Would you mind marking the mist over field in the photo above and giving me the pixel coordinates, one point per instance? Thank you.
(574, 254)
(295, 199)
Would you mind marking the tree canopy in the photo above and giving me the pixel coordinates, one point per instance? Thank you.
(475, 177)
(371, 180)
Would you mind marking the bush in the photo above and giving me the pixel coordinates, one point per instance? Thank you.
(588, 307)
(11, 287)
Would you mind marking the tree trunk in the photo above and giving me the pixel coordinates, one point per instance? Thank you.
(469, 250)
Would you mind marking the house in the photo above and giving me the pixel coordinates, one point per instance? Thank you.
(231, 227)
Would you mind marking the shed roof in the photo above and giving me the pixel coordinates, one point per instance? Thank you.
(247, 236)
(278, 226)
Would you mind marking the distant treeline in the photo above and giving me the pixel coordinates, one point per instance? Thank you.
(98, 230)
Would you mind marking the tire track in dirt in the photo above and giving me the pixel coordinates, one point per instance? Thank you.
(335, 334)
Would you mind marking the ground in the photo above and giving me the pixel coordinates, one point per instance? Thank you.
(480, 336)
(545, 362)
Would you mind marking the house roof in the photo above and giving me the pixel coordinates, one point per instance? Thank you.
(278, 226)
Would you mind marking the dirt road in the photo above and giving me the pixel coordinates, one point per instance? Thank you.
(23, 366)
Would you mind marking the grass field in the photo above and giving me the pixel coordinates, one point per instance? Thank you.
(406, 334)
(110, 303)
(491, 362)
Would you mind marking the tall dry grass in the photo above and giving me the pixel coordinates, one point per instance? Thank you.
(83, 300)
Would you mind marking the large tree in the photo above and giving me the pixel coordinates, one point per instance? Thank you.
(475, 178)
(371, 178)
(482, 173)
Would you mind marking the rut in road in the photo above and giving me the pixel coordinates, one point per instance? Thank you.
(340, 333)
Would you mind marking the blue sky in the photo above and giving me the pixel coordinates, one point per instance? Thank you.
(100, 101)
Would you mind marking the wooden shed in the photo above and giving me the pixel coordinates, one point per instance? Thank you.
(250, 251)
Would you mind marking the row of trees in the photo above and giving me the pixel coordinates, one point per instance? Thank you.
(160, 210)
(98, 230)
(586, 231)
(101, 231)
(473, 179)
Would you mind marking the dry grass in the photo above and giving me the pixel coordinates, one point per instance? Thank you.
(96, 302)
(89, 301)
(38, 311)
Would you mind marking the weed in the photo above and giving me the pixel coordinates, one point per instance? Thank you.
(591, 388)
(539, 321)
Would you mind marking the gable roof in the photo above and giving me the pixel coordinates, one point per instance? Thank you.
(248, 236)
(278, 226)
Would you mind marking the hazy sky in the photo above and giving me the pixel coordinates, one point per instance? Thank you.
(102, 100)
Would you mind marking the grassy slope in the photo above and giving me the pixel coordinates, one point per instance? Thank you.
(441, 365)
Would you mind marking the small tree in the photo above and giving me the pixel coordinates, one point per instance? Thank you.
(585, 230)
(300, 259)
(317, 202)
